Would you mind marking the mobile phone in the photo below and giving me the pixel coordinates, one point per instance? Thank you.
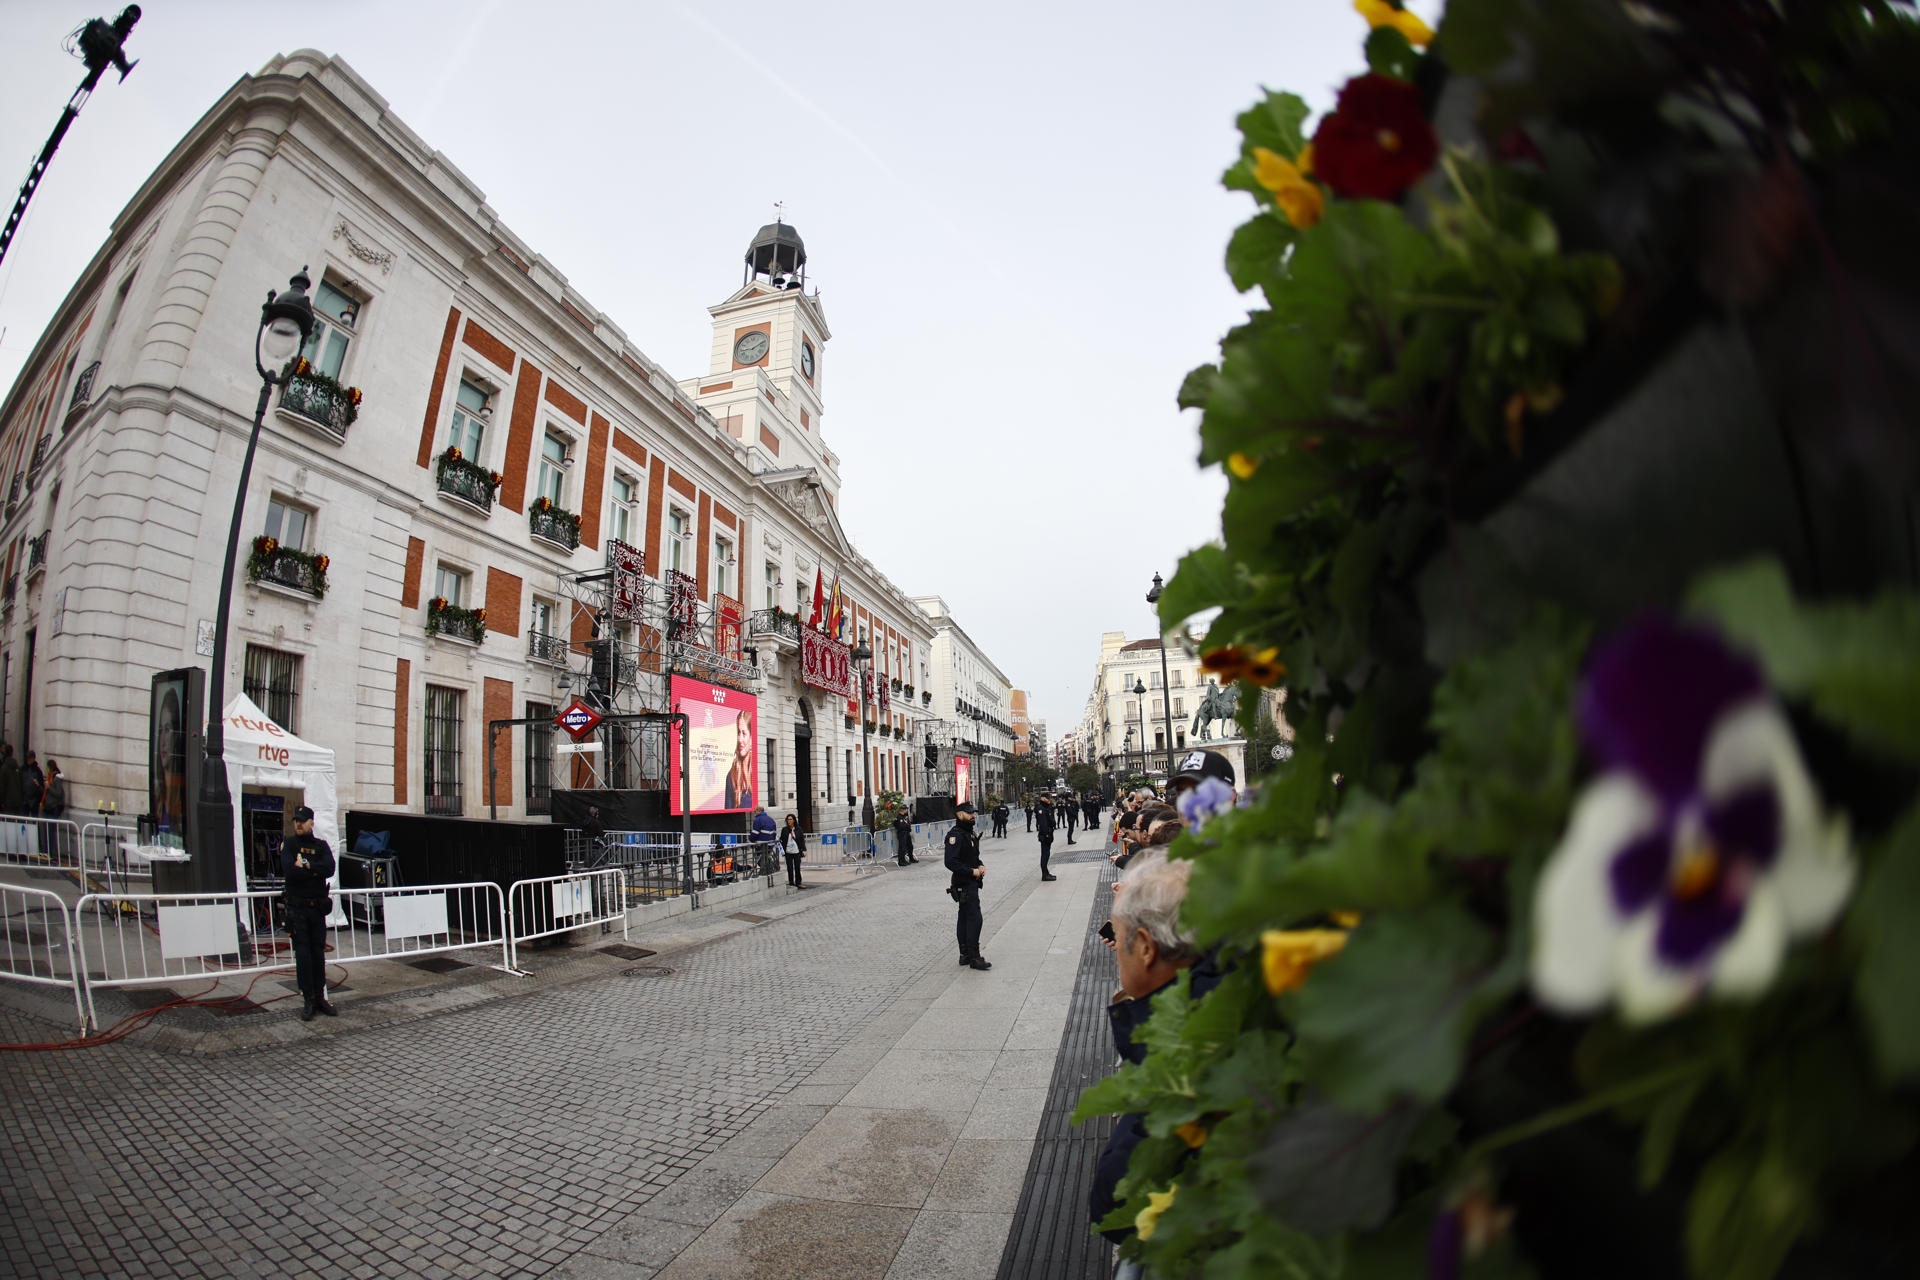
(1106, 930)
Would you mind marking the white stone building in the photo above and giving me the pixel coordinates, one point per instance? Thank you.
(121, 445)
(1125, 731)
(966, 681)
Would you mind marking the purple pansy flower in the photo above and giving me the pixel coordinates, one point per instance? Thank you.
(1699, 851)
(1204, 799)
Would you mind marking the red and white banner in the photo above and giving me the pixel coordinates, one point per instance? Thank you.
(886, 699)
(826, 664)
(629, 565)
(726, 625)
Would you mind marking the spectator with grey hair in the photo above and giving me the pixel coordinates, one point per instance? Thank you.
(1152, 948)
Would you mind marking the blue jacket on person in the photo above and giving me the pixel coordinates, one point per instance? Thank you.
(764, 828)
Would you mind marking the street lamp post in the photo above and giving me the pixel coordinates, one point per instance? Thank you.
(979, 755)
(864, 654)
(1166, 690)
(286, 322)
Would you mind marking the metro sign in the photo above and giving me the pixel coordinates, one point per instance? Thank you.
(578, 719)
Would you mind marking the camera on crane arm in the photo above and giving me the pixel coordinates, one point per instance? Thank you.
(102, 42)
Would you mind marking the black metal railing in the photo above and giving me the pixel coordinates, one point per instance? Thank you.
(82, 390)
(461, 624)
(555, 525)
(39, 459)
(462, 479)
(13, 584)
(444, 801)
(299, 572)
(772, 622)
(546, 648)
(319, 404)
(37, 553)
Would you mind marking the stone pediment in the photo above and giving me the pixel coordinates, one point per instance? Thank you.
(803, 497)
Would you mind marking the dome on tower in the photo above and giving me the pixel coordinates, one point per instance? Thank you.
(779, 254)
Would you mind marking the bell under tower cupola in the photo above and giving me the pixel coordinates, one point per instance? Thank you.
(778, 256)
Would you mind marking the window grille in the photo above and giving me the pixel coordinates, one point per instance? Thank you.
(272, 680)
(539, 758)
(443, 750)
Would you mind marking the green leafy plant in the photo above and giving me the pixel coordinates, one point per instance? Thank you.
(1461, 955)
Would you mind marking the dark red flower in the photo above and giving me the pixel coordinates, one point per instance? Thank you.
(1376, 143)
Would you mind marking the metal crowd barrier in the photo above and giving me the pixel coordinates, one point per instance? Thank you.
(417, 920)
(560, 904)
(125, 940)
(39, 842)
(39, 941)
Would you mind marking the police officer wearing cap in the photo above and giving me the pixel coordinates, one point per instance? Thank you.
(963, 861)
(306, 864)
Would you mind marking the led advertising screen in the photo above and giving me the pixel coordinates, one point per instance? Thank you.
(962, 781)
(723, 750)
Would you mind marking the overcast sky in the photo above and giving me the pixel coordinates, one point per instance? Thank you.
(1012, 212)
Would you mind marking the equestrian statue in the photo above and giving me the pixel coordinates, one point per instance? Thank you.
(1215, 704)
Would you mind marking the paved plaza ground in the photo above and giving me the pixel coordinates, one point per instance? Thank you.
(806, 1086)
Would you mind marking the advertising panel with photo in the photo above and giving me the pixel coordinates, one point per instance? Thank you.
(962, 782)
(724, 773)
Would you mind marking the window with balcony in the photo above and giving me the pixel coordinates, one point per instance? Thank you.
(723, 566)
(1179, 705)
(770, 573)
(622, 524)
(442, 763)
(288, 523)
(1179, 679)
(450, 584)
(472, 408)
(539, 758)
(272, 679)
(679, 540)
(336, 314)
(553, 469)
(541, 642)
(448, 613)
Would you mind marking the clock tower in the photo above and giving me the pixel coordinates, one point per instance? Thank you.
(766, 366)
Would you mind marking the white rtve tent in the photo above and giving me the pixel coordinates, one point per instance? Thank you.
(260, 753)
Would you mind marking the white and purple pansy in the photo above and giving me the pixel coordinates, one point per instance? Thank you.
(1699, 851)
(1204, 799)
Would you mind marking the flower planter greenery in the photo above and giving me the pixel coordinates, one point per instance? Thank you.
(319, 398)
(1585, 900)
(284, 566)
(444, 619)
(464, 479)
(555, 524)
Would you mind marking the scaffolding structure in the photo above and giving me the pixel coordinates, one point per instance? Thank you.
(628, 634)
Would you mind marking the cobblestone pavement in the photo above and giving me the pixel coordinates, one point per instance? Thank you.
(492, 1140)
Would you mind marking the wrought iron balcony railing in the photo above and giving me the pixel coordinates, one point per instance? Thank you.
(288, 569)
(324, 406)
(545, 648)
(40, 448)
(462, 479)
(82, 391)
(37, 553)
(556, 525)
(775, 624)
(13, 584)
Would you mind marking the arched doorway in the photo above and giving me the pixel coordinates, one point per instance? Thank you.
(803, 766)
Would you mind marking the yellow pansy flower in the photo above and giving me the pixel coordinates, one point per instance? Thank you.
(1193, 1133)
(1286, 956)
(1148, 1218)
(1345, 919)
(1293, 191)
(1241, 465)
(1379, 13)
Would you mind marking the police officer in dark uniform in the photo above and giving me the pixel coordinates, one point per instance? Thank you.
(1047, 821)
(306, 864)
(963, 861)
(1068, 816)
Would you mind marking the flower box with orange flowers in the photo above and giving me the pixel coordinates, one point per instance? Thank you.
(447, 619)
(271, 561)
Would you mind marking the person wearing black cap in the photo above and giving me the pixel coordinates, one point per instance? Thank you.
(963, 861)
(306, 864)
(1199, 764)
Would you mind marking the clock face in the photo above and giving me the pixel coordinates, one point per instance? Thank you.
(806, 358)
(751, 348)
